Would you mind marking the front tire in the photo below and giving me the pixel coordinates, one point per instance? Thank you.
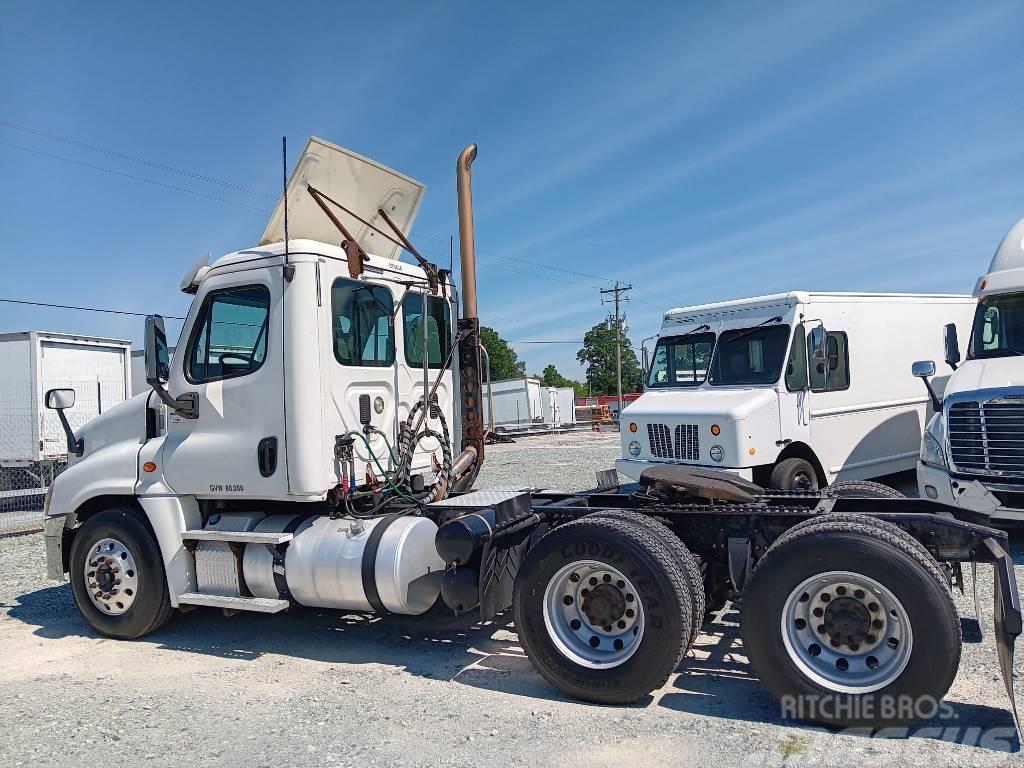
(603, 610)
(117, 576)
(794, 475)
(848, 624)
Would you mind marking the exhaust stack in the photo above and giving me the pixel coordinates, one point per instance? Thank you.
(467, 247)
(470, 368)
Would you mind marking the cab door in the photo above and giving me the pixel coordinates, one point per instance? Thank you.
(231, 358)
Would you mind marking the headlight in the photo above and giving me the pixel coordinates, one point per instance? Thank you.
(717, 453)
(931, 444)
(634, 448)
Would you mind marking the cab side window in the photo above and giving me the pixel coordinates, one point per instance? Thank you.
(362, 326)
(832, 373)
(438, 329)
(230, 337)
(796, 365)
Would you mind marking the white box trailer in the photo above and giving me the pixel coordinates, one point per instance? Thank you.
(559, 406)
(32, 362)
(517, 403)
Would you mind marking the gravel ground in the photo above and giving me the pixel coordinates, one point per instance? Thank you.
(324, 688)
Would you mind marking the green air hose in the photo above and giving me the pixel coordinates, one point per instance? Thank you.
(383, 471)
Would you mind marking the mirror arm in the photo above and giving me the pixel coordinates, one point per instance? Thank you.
(936, 403)
(187, 405)
(76, 446)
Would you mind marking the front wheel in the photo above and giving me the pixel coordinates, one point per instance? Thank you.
(603, 610)
(117, 576)
(794, 475)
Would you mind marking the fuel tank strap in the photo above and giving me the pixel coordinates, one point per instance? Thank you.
(369, 564)
(278, 553)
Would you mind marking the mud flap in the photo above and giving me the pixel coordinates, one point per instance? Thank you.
(1006, 609)
(974, 591)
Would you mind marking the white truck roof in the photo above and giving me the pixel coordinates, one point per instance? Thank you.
(1006, 272)
(680, 315)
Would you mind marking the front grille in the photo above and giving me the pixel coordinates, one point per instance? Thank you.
(987, 436)
(684, 444)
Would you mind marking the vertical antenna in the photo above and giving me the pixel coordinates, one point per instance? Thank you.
(451, 253)
(289, 270)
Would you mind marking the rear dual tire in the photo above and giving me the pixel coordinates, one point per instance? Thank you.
(849, 623)
(565, 633)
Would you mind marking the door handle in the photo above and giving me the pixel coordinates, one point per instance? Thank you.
(266, 456)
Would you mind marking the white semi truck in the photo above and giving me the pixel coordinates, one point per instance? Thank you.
(315, 438)
(793, 391)
(972, 452)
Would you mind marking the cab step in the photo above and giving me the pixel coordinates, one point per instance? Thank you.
(236, 537)
(228, 603)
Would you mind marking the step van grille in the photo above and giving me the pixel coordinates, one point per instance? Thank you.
(684, 444)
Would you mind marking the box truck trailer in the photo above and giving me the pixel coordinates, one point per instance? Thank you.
(792, 391)
(322, 440)
(33, 362)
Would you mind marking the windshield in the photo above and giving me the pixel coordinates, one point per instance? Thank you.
(750, 355)
(998, 327)
(681, 361)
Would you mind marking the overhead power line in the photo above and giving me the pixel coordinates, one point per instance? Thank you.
(136, 159)
(134, 178)
(84, 309)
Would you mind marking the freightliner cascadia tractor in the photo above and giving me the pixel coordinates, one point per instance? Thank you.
(315, 438)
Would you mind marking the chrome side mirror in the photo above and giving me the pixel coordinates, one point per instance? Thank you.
(819, 338)
(923, 369)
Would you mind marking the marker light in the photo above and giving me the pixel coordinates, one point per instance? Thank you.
(716, 430)
(149, 466)
(632, 426)
(752, 451)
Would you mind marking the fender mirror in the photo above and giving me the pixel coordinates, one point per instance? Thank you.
(925, 369)
(952, 345)
(57, 400)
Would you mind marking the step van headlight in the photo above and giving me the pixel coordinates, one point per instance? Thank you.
(633, 448)
(717, 453)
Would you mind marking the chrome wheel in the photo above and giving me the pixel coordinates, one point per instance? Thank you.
(846, 632)
(593, 614)
(111, 578)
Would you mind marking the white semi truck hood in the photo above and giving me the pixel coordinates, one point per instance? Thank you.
(986, 374)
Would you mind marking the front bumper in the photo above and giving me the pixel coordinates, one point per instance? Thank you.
(632, 468)
(938, 485)
(53, 539)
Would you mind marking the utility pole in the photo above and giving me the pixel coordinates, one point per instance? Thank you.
(618, 291)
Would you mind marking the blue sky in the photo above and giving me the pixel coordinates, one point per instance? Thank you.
(699, 151)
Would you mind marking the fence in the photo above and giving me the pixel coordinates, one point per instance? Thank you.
(33, 446)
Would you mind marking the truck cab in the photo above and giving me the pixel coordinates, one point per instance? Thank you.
(972, 452)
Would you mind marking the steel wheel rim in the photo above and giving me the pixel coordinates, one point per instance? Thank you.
(111, 577)
(846, 632)
(801, 482)
(585, 591)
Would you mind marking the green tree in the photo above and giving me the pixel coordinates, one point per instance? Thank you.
(505, 364)
(598, 354)
(552, 378)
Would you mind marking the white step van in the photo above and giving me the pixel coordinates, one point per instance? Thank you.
(972, 453)
(793, 390)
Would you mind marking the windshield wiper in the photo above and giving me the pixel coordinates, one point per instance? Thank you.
(776, 319)
(698, 329)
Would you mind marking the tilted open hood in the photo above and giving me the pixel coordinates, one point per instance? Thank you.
(358, 183)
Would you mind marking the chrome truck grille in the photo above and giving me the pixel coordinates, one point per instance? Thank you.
(987, 436)
(682, 443)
